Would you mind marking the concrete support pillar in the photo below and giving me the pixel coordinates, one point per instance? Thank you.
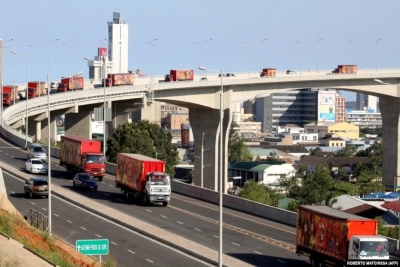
(38, 134)
(207, 121)
(45, 129)
(151, 113)
(32, 128)
(79, 124)
(390, 111)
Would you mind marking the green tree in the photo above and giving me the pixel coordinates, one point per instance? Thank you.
(255, 192)
(144, 138)
(316, 152)
(347, 151)
(384, 230)
(237, 150)
(344, 188)
(287, 182)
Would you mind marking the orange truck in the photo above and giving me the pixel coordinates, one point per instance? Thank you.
(36, 89)
(79, 154)
(10, 94)
(268, 72)
(143, 177)
(116, 79)
(179, 75)
(70, 84)
(345, 69)
(330, 236)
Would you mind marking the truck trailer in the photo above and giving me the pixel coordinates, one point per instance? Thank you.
(70, 84)
(117, 79)
(268, 72)
(330, 237)
(10, 94)
(179, 75)
(36, 89)
(349, 69)
(82, 155)
(143, 177)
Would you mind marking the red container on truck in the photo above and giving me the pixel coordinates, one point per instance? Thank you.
(70, 84)
(179, 75)
(10, 94)
(82, 155)
(268, 72)
(116, 79)
(325, 234)
(36, 89)
(143, 177)
(345, 69)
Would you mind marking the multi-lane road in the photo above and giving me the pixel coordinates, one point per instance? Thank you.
(257, 241)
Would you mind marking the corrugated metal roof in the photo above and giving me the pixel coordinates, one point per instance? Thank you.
(250, 165)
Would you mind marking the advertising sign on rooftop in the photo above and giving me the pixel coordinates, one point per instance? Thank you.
(326, 106)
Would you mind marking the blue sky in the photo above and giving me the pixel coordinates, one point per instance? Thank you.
(177, 24)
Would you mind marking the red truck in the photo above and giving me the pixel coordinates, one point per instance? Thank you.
(143, 177)
(268, 72)
(79, 154)
(116, 79)
(36, 89)
(329, 236)
(345, 69)
(10, 94)
(179, 75)
(70, 84)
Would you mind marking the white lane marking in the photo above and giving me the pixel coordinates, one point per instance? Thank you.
(236, 244)
(44, 209)
(6, 154)
(69, 221)
(280, 261)
(56, 215)
(179, 222)
(164, 216)
(107, 195)
(215, 236)
(114, 243)
(97, 235)
(110, 185)
(12, 192)
(83, 228)
(131, 251)
(255, 251)
(148, 210)
(197, 229)
(150, 260)
(33, 203)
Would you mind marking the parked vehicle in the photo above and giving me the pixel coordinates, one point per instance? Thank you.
(345, 69)
(36, 89)
(10, 94)
(179, 75)
(290, 72)
(227, 75)
(84, 181)
(82, 155)
(143, 177)
(70, 84)
(327, 235)
(36, 187)
(268, 72)
(36, 151)
(35, 166)
(116, 79)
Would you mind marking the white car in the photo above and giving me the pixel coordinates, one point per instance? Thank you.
(35, 166)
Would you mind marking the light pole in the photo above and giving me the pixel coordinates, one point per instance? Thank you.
(2, 76)
(38, 47)
(376, 53)
(105, 39)
(249, 56)
(260, 52)
(205, 51)
(26, 95)
(49, 150)
(300, 55)
(50, 56)
(152, 58)
(72, 64)
(354, 43)
(320, 39)
(200, 52)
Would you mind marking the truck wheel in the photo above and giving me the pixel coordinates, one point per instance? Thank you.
(165, 203)
(144, 199)
(100, 179)
(313, 261)
(125, 193)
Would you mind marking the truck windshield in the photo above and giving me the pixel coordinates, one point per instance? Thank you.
(95, 159)
(6, 95)
(374, 248)
(159, 180)
(31, 90)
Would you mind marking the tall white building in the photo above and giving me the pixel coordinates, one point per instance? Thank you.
(118, 44)
(366, 102)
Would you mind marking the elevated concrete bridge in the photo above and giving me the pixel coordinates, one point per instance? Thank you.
(202, 97)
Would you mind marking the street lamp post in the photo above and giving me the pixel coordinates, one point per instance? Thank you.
(50, 58)
(49, 150)
(72, 64)
(2, 78)
(320, 39)
(249, 56)
(354, 43)
(260, 52)
(205, 51)
(200, 52)
(376, 53)
(105, 39)
(26, 95)
(152, 58)
(300, 55)
(38, 47)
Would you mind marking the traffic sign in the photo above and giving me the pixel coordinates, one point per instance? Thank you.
(92, 246)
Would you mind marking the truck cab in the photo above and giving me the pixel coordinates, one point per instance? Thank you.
(107, 81)
(368, 248)
(93, 164)
(158, 187)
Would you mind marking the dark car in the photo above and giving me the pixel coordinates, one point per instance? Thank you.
(227, 75)
(36, 187)
(290, 72)
(84, 181)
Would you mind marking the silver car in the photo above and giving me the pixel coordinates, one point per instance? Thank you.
(35, 166)
(36, 151)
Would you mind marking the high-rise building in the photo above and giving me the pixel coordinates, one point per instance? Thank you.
(118, 44)
(340, 108)
(366, 102)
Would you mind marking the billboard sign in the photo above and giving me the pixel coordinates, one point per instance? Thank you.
(326, 106)
(102, 51)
